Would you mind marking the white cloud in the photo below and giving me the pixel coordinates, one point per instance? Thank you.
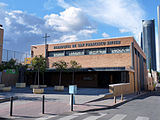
(48, 5)
(72, 19)
(51, 4)
(86, 32)
(63, 4)
(7, 21)
(69, 38)
(3, 4)
(105, 35)
(23, 30)
(72, 24)
(126, 15)
(123, 30)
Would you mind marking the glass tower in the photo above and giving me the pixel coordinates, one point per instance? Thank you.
(148, 43)
(158, 16)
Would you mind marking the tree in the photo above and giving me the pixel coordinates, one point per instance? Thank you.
(74, 66)
(18, 67)
(60, 66)
(159, 77)
(22, 69)
(11, 64)
(39, 64)
(1, 67)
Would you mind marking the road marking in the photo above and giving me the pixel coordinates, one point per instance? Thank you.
(94, 117)
(46, 117)
(71, 116)
(118, 117)
(142, 118)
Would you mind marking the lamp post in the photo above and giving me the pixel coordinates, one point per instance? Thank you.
(45, 38)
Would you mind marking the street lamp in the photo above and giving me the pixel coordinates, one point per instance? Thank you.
(45, 38)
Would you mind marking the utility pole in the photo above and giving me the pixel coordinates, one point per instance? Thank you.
(45, 38)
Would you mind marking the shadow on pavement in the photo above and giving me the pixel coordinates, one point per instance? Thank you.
(50, 90)
(23, 116)
(35, 98)
(143, 96)
(149, 94)
(4, 118)
(49, 114)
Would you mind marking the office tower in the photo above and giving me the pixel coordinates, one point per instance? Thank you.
(149, 47)
(1, 41)
(158, 16)
(141, 40)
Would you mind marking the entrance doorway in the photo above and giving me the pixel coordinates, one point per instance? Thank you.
(112, 77)
(103, 79)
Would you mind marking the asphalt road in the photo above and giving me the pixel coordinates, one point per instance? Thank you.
(146, 107)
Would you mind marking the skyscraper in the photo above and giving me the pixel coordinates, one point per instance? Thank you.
(1, 41)
(148, 43)
(158, 16)
(141, 40)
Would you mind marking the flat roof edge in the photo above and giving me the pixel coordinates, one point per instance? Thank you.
(85, 40)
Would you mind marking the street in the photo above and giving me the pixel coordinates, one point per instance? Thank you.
(142, 108)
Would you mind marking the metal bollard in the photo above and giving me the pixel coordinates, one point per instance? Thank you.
(43, 104)
(11, 106)
(121, 97)
(71, 102)
(114, 99)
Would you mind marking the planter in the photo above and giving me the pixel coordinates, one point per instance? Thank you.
(34, 86)
(38, 90)
(43, 86)
(59, 88)
(2, 85)
(5, 89)
(38, 86)
(20, 85)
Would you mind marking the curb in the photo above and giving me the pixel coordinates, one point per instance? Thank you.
(7, 99)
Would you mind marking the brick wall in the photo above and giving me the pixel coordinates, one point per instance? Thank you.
(93, 61)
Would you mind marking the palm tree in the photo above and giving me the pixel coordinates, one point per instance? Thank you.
(60, 66)
(74, 66)
(39, 64)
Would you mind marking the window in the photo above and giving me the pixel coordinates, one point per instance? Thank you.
(32, 53)
(124, 49)
(95, 51)
(56, 54)
(74, 52)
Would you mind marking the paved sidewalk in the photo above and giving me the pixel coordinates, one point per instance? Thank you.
(28, 105)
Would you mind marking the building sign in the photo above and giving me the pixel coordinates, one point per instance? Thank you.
(87, 44)
(10, 71)
(72, 89)
(28, 60)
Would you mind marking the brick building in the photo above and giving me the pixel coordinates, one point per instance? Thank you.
(104, 62)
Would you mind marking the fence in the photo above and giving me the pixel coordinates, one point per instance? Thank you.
(18, 56)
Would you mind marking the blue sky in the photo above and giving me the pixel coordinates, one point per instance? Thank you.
(26, 21)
